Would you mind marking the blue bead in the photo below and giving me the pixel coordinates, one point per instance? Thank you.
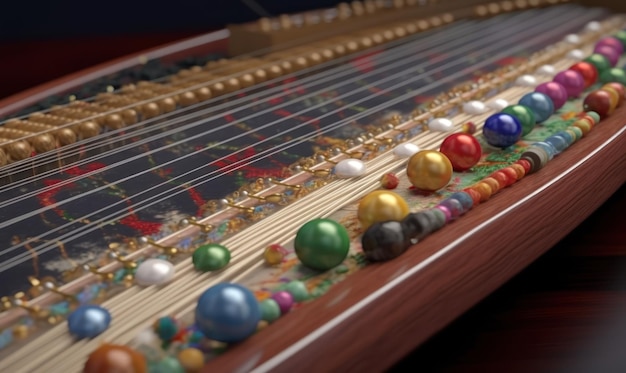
(466, 200)
(502, 130)
(567, 136)
(541, 105)
(227, 313)
(549, 148)
(88, 321)
(558, 142)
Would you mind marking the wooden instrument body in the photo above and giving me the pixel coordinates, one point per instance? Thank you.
(379, 314)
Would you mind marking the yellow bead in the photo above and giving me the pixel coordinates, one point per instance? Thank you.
(381, 205)
(274, 254)
(429, 170)
(191, 359)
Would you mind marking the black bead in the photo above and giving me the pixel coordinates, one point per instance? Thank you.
(384, 241)
(417, 225)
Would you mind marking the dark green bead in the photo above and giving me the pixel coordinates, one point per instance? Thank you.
(599, 61)
(322, 244)
(613, 75)
(621, 36)
(210, 257)
(525, 116)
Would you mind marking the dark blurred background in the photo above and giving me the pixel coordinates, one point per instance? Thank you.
(42, 40)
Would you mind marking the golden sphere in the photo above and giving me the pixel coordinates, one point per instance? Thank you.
(429, 170)
(191, 359)
(381, 205)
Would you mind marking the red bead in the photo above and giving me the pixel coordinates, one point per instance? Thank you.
(524, 163)
(502, 179)
(511, 173)
(598, 101)
(462, 150)
(389, 181)
(474, 194)
(587, 70)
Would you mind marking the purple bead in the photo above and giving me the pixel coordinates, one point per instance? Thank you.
(454, 206)
(572, 81)
(555, 91)
(284, 300)
(445, 211)
(609, 52)
(612, 42)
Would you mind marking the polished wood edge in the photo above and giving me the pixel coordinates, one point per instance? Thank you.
(203, 44)
(382, 312)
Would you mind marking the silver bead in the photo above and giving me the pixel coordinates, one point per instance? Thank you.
(546, 70)
(474, 107)
(526, 81)
(576, 54)
(572, 39)
(351, 167)
(405, 150)
(154, 272)
(441, 125)
(498, 104)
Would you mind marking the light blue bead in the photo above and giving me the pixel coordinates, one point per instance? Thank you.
(88, 321)
(6, 337)
(466, 200)
(541, 105)
(227, 313)
(549, 148)
(558, 142)
(567, 136)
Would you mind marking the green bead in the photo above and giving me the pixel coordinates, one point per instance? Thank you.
(577, 131)
(599, 61)
(621, 36)
(167, 365)
(210, 257)
(594, 115)
(613, 75)
(270, 311)
(298, 290)
(525, 116)
(322, 244)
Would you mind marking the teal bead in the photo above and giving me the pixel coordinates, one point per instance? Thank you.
(298, 290)
(270, 311)
(167, 365)
(211, 257)
(525, 116)
(594, 115)
(322, 244)
(613, 75)
(599, 61)
(166, 328)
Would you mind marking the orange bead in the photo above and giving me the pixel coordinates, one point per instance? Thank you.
(501, 178)
(583, 125)
(519, 169)
(511, 173)
(493, 183)
(110, 358)
(614, 96)
(483, 189)
(619, 88)
(476, 197)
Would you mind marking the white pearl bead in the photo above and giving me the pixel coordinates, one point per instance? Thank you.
(474, 107)
(405, 150)
(351, 167)
(546, 70)
(576, 54)
(149, 344)
(593, 26)
(498, 104)
(441, 125)
(154, 272)
(572, 39)
(526, 81)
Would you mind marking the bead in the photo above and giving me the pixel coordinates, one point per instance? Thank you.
(593, 26)
(468, 128)
(440, 218)
(446, 212)
(613, 75)
(274, 254)
(577, 131)
(417, 225)
(572, 39)
(474, 107)
(384, 241)
(191, 359)
(462, 150)
(549, 149)
(609, 52)
(474, 195)
(524, 115)
(227, 313)
(498, 104)
(572, 81)
(567, 136)
(595, 116)
(546, 70)
(154, 272)
(621, 36)
(270, 311)
(535, 156)
(322, 244)
(298, 290)
(587, 71)
(599, 61)
(583, 125)
(614, 96)
(405, 150)
(454, 206)
(381, 205)
(168, 364)
(526, 81)
(483, 189)
(148, 344)
(612, 42)
(166, 328)
(576, 54)
(284, 300)
(440, 125)
(429, 170)
(493, 184)
(502, 130)
(511, 174)
(619, 89)
(88, 321)
(389, 181)
(598, 101)
(347, 168)
(211, 257)
(501, 178)
(115, 358)
(558, 142)
(519, 170)
(540, 104)
(525, 164)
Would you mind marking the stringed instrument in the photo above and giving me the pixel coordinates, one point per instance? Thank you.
(131, 191)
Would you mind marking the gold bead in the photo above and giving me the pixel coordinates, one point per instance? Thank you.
(114, 121)
(167, 105)
(87, 129)
(218, 89)
(233, 85)
(43, 143)
(429, 170)
(191, 359)
(150, 110)
(19, 150)
(274, 71)
(247, 80)
(379, 206)
(203, 93)
(3, 158)
(187, 99)
(260, 75)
